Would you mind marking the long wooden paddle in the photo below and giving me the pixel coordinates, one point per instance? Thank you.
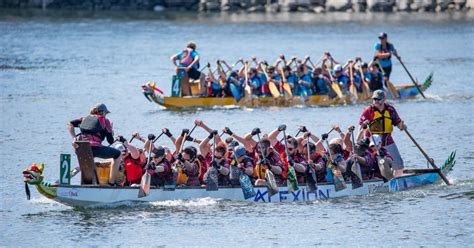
(430, 160)
(355, 173)
(271, 85)
(269, 177)
(291, 182)
(390, 87)
(352, 88)
(339, 183)
(365, 85)
(286, 86)
(334, 84)
(247, 89)
(146, 178)
(212, 182)
(245, 182)
(311, 179)
(409, 74)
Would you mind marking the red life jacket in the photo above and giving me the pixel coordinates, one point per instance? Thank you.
(133, 169)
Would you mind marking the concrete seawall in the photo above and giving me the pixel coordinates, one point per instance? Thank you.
(315, 6)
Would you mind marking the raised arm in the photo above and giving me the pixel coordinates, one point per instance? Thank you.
(246, 141)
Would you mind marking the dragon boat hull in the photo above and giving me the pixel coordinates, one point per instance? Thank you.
(95, 195)
(90, 196)
(404, 91)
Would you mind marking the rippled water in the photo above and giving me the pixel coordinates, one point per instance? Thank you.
(52, 69)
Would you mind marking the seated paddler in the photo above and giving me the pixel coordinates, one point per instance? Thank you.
(95, 128)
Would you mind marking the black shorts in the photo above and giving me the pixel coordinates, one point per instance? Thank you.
(105, 152)
(387, 70)
(194, 74)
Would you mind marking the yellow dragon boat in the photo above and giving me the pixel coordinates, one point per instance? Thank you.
(155, 95)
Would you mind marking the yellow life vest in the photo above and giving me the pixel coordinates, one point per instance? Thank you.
(259, 171)
(382, 123)
(182, 178)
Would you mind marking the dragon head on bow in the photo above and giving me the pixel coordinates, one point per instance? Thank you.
(33, 175)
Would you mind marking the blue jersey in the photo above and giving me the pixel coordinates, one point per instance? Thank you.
(321, 87)
(389, 48)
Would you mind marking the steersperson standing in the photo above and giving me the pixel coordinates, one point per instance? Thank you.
(383, 53)
(381, 117)
(189, 61)
(95, 128)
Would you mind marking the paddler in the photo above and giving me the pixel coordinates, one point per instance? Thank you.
(321, 84)
(375, 78)
(190, 166)
(383, 53)
(160, 169)
(295, 158)
(95, 128)
(188, 60)
(133, 159)
(218, 159)
(380, 118)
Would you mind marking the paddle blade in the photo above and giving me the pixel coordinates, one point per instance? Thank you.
(338, 179)
(273, 89)
(292, 182)
(246, 185)
(384, 167)
(144, 185)
(356, 176)
(311, 181)
(392, 90)
(353, 91)
(270, 183)
(212, 180)
(287, 89)
(337, 89)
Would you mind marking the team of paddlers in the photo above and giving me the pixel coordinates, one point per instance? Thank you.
(294, 77)
(371, 147)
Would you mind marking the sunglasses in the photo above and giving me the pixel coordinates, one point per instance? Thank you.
(377, 99)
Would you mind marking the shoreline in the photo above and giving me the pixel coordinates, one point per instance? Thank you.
(248, 6)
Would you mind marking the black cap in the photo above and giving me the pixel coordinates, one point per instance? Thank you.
(382, 35)
(102, 108)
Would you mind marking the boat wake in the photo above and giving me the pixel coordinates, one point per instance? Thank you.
(202, 202)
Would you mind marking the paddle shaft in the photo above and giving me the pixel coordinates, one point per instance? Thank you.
(286, 147)
(411, 77)
(430, 160)
(155, 138)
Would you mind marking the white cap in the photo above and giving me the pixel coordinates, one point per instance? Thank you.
(336, 141)
(338, 68)
(377, 139)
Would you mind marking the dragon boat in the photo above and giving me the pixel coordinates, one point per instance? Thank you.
(176, 101)
(98, 195)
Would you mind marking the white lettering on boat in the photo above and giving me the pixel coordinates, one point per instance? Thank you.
(285, 196)
(381, 188)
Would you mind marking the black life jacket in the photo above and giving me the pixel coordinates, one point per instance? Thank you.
(92, 125)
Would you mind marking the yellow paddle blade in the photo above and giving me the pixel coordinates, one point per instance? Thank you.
(273, 89)
(336, 89)
(353, 91)
(287, 89)
(392, 90)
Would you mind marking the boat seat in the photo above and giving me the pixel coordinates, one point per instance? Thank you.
(86, 162)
